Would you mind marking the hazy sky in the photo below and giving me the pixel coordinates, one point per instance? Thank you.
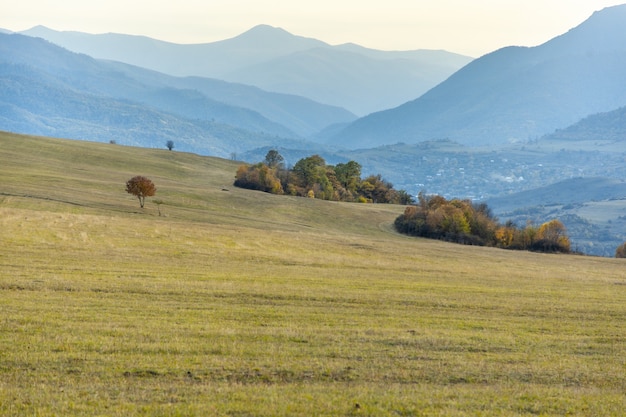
(471, 27)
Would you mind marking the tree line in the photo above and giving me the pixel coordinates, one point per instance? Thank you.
(464, 222)
(312, 177)
(434, 216)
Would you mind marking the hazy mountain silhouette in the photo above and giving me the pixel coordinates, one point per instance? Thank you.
(299, 114)
(215, 59)
(515, 93)
(358, 79)
(48, 90)
(343, 77)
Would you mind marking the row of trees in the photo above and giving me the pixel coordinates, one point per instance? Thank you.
(464, 222)
(433, 216)
(312, 177)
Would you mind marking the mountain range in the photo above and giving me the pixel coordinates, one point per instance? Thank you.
(358, 79)
(513, 94)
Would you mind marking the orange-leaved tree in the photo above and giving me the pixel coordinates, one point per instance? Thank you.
(552, 237)
(141, 187)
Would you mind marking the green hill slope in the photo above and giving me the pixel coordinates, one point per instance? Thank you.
(235, 302)
(92, 176)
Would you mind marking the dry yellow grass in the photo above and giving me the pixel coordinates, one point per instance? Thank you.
(243, 303)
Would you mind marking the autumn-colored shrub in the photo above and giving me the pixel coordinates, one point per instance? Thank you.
(455, 220)
(552, 237)
(463, 222)
(258, 177)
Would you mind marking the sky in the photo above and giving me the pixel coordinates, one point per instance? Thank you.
(469, 27)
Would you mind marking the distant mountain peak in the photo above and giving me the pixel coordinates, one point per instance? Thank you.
(266, 35)
(602, 30)
(611, 10)
(38, 30)
(265, 28)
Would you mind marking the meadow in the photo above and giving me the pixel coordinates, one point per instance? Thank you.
(233, 302)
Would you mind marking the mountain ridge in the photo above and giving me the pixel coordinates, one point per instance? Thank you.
(42, 82)
(514, 93)
(239, 59)
(314, 117)
(605, 126)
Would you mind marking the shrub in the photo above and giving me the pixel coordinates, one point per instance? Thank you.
(463, 222)
(258, 177)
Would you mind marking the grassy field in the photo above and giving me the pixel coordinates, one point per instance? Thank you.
(240, 303)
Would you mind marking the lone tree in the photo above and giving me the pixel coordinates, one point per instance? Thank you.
(170, 144)
(141, 187)
(273, 159)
